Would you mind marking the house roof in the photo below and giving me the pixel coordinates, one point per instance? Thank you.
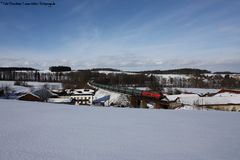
(229, 91)
(227, 94)
(218, 100)
(43, 93)
(81, 94)
(29, 96)
(175, 97)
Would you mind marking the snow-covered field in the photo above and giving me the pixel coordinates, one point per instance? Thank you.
(168, 76)
(40, 131)
(200, 91)
(50, 85)
(116, 72)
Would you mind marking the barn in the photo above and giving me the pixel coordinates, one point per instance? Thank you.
(29, 97)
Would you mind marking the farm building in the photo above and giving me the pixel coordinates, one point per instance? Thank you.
(29, 97)
(76, 96)
(229, 91)
(227, 100)
(82, 98)
(44, 94)
(1, 92)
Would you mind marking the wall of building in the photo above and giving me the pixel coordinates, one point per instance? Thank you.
(224, 107)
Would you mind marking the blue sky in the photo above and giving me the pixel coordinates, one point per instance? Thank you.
(126, 34)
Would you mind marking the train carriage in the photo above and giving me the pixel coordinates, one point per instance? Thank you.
(134, 92)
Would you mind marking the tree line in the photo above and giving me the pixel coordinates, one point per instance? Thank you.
(79, 79)
(202, 81)
(60, 68)
(186, 71)
(10, 69)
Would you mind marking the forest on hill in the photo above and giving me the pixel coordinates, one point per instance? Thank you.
(155, 79)
(177, 71)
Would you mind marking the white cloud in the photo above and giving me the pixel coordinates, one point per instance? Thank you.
(128, 62)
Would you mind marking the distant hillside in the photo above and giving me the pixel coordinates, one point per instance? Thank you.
(177, 71)
(105, 69)
(226, 72)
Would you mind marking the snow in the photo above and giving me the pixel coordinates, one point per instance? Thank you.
(59, 100)
(32, 130)
(20, 89)
(175, 96)
(140, 88)
(188, 99)
(45, 71)
(115, 98)
(217, 100)
(50, 85)
(194, 99)
(189, 107)
(200, 91)
(168, 76)
(116, 72)
(82, 91)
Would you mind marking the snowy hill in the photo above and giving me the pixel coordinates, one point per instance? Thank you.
(116, 99)
(32, 86)
(38, 131)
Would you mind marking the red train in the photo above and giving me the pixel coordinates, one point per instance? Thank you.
(152, 95)
(134, 92)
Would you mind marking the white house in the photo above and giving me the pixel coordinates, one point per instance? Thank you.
(82, 96)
